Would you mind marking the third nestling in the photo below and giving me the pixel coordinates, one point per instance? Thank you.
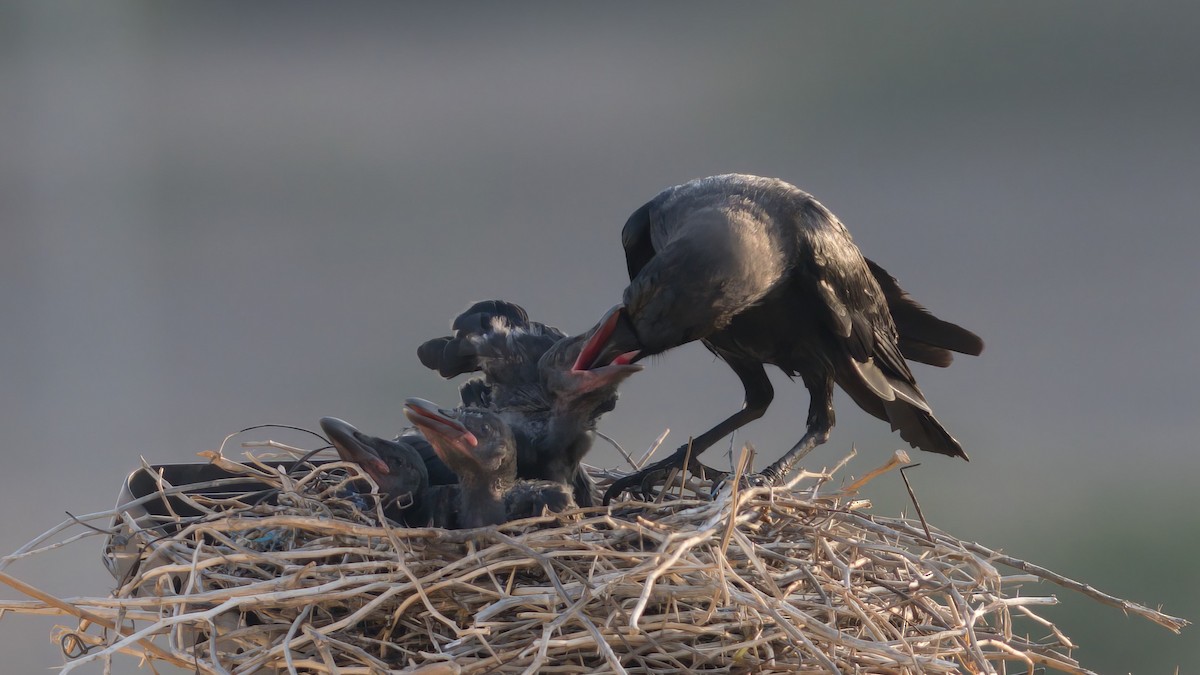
(478, 445)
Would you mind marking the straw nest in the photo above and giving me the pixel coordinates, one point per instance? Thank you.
(794, 579)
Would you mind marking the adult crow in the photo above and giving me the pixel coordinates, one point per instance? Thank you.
(529, 381)
(762, 273)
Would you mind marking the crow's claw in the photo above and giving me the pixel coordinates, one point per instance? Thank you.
(648, 478)
(639, 483)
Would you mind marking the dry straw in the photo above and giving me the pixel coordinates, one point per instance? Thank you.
(794, 579)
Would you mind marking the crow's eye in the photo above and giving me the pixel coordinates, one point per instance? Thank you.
(487, 429)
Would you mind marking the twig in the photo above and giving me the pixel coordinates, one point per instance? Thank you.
(652, 449)
(291, 634)
(898, 458)
(621, 450)
(913, 496)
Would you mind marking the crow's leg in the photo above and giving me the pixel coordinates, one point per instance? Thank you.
(758, 396)
(820, 423)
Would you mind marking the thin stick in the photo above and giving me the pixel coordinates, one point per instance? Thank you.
(738, 471)
(626, 455)
(913, 496)
(291, 634)
(683, 471)
(653, 448)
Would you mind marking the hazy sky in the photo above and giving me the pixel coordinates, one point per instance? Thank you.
(215, 216)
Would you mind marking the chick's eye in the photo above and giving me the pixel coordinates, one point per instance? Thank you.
(487, 429)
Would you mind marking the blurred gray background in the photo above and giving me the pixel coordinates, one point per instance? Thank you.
(216, 215)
